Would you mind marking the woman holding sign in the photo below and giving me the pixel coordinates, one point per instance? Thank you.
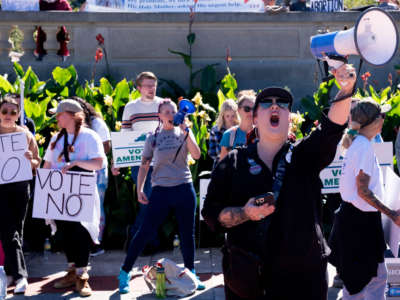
(15, 197)
(172, 188)
(357, 239)
(76, 148)
(95, 121)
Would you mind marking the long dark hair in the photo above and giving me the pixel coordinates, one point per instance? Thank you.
(88, 110)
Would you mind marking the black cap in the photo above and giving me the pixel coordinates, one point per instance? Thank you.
(274, 92)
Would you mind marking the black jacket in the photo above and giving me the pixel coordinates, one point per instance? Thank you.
(294, 242)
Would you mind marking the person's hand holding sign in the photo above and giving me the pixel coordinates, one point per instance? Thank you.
(68, 166)
(29, 155)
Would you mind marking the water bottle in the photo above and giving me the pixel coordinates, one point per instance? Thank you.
(47, 249)
(3, 283)
(160, 282)
(393, 290)
(176, 244)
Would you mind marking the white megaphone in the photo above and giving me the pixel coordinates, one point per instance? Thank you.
(374, 37)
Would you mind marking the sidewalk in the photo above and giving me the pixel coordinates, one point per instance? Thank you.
(105, 268)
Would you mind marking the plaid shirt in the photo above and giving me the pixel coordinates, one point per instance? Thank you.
(214, 148)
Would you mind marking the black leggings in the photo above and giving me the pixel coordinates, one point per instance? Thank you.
(285, 286)
(76, 242)
(13, 204)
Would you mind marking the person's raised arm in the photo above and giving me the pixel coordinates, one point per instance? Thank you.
(339, 111)
(191, 143)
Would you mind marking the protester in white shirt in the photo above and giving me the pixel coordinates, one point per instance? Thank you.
(142, 115)
(95, 121)
(83, 152)
(357, 239)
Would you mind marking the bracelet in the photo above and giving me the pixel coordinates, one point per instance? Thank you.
(352, 132)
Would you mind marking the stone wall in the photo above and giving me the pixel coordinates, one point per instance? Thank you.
(265, 49)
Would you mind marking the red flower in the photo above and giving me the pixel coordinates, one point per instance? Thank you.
(100, 39)
(390, 79)
(195, 1)
(191, 14)
(365, 76)
(228, 57)
(180, 98)
(99, 55)
(316, 123)
(245, 1)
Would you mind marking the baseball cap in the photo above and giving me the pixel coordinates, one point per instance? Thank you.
(274, 92)
(68, 105)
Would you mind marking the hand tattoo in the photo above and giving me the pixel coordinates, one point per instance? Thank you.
(232, 216)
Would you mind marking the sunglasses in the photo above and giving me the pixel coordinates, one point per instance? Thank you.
(11, 112)
(281, 102)
(247, 108)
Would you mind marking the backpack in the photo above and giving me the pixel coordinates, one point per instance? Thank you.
(178, 281)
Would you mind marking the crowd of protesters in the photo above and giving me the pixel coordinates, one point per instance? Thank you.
(264, 192)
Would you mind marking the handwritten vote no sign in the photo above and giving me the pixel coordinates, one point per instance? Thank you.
(64, 196)
(14, 166)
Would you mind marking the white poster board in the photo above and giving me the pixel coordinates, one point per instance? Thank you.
(154, 6)
(203, 192)
(391, 200)
(326, 5)
(127, 148)
(20, 5)
(330, 176)
(66, 196)
(14, 166)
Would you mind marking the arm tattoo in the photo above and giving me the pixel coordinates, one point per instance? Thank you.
(232, 216)
(365, 193)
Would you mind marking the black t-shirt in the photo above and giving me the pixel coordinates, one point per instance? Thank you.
(294, 239)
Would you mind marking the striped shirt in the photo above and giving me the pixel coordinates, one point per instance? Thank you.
(141, 116)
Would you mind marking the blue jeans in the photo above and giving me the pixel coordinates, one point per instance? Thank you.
(182, 200)
(102, 183)
(153, 240)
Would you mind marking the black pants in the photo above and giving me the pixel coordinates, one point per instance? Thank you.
(13, 204)
(285, 286)
(76, 242)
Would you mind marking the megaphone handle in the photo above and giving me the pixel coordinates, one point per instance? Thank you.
(354, 87)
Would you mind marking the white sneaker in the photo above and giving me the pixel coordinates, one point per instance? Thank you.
(10, 280)
(20, 286)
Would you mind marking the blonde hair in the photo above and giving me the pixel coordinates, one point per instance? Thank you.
(363, 114)
(228, 105)
(249, 93)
